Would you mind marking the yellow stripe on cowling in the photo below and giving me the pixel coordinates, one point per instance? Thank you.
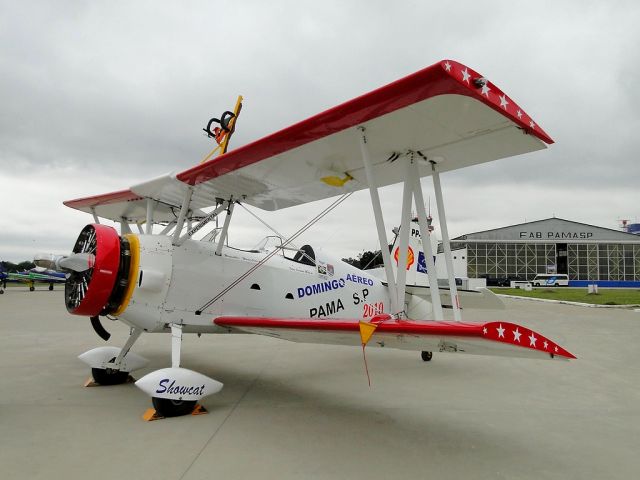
(134, 264)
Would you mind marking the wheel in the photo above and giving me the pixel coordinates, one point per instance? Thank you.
(426, 356)
(50, 287)
(173, 408)
(32, 288)
(556, 285)
(109, 376)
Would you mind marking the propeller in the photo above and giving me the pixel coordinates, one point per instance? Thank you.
(76, 262)
(98, 274)
(77, 284)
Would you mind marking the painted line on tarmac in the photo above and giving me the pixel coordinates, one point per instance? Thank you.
(567, 302)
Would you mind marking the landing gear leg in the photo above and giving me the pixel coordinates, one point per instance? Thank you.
(426, 356)
(112, 375)
(167, 407)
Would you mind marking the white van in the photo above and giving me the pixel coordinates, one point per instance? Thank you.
(550, 280)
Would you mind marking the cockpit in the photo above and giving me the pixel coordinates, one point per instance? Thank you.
(304, 255)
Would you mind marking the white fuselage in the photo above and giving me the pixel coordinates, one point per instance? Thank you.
(174, 282)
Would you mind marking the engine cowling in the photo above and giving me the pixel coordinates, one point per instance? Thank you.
(99, 289)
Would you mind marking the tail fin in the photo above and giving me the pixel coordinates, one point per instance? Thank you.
(416, 260)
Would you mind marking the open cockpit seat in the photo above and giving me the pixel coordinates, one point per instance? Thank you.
(305, 255)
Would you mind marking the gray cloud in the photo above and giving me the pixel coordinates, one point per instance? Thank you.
(98, 96)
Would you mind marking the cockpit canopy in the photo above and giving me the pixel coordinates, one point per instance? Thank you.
(304, 255)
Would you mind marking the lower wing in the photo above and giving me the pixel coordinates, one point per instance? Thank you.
(492, 338)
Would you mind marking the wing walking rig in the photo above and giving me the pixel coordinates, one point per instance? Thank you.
(442, 118)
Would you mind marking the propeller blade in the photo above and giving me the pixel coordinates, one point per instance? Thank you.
(46, 261)
(77, 262)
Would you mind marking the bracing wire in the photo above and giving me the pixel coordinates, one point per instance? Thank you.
(274, 252)
(263, 222)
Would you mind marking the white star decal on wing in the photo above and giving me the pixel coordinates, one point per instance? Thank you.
(531, 124)
(485, 90)
(519, 113)
(447, 66)
(465, 76)
(503, 101)
(516, 335)
(500, 331)
(532, 340)
(556, 349)
(484, 330)
(546, 344)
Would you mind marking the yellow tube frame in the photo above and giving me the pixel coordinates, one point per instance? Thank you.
(134, 265)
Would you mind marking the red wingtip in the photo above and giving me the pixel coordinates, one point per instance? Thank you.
(523, 337)
(492, 95)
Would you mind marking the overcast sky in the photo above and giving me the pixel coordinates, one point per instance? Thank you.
(97, 96)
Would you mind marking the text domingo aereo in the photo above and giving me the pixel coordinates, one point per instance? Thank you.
(335, 284)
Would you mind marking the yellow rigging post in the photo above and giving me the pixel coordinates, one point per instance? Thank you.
(222, 133)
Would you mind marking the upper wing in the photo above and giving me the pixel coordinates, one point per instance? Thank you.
(493, 338)
(447, 111)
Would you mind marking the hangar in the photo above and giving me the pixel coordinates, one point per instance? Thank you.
(553, 245)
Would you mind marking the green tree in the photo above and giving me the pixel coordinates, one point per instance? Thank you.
(17, 267)
(365, 260)
(26, 265)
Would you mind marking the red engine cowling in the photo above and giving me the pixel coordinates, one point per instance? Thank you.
(92, 291)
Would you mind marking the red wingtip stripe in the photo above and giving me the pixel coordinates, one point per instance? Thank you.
(104, 199)
(491, 95)
(522, 337)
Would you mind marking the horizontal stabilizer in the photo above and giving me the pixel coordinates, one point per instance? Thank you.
(482, 298)
(493, 338)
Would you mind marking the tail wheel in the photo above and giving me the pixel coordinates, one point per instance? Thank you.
(426, 356)
(167, 407)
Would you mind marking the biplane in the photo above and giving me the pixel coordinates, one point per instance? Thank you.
(160, 278)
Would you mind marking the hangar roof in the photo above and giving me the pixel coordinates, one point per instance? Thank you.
(553, 230)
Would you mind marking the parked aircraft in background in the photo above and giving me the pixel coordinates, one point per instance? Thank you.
(442, 118)
(31, 277)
